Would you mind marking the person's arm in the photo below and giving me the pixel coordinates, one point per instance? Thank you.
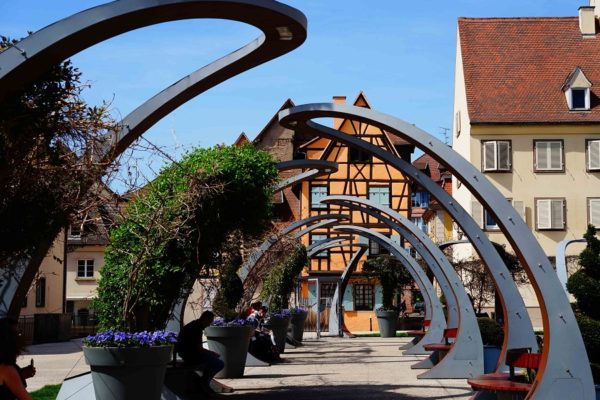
(12, 380)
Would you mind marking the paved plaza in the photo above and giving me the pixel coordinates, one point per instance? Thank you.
(332, 368)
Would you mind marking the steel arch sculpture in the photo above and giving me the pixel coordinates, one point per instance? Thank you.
(465, 358)
(316, 168)
(283, 29)
(564, 368)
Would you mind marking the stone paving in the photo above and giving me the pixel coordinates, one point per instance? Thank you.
(331, 368)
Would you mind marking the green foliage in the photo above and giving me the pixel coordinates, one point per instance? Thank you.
(492, 333)
(392, 276)
(231, 288)
(585, 287)
(281, 280)
(45, 129)
(48, 392)
(178, 229)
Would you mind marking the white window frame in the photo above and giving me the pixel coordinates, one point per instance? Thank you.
(593, 207)
(545, 208)
(587, 99)
(88, 268)
(548, 155)
(590, 144)
(75, 233)
(495, 146)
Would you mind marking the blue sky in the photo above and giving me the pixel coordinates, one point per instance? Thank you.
(400, 53)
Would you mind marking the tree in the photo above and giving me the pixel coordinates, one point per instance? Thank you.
(47, 136)
(177, 230)
(584, 285)
(392, 275)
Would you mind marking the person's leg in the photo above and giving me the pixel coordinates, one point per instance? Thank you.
(212, 365)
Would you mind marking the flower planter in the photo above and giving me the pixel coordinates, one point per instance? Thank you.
(387, 321)
(297, 325)
(490, 358)
(121, 373)
(279, 327)
(231, 343)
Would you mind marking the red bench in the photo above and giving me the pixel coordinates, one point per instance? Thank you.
(426, 323)
(499, 382)
(448, 334)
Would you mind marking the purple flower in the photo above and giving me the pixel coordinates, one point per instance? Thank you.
(285, 313)
(128, 339)
(234, 322)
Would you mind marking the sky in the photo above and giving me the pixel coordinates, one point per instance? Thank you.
(400, 53)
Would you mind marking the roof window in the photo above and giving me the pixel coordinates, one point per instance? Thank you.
(577, 91)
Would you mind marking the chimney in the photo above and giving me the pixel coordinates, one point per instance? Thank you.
(337, 122)
(587, 20)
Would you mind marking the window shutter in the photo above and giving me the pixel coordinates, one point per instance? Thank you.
(489, 156)
(555, 155)
(395, 239)
(364, 240)
(504, 155)
(543, 214)
(541, 155)
(477, 213)
(520, 209)
(439, 227)
(595, 212)
(594, 154)
(558, 220)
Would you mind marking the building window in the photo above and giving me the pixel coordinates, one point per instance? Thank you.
(364, 297)
(316, 194)
(593, 155)
(85, 268)
(380, 195)
(548, 155)
(40, 292)
(419, 199)
(550, 214)
(420, 223)
(594, 212)
(358, 156)
(457, 123)
(317, 238)
(490, 222)
(375, 249)
(327, 290)
(496, 155)
(75, 231)
(579, 99)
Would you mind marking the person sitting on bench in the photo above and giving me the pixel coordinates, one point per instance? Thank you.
(190, 349)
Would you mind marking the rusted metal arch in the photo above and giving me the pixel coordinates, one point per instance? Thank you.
(561, 260)
(564, 369)
(283, 29)
(465, 358)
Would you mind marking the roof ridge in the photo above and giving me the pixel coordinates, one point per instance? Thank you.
(516, 18)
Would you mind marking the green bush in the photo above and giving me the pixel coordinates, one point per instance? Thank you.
(175, 232)
(392, 276)
(231, 287)
(492, 333)
(281, 280)
(587, 292)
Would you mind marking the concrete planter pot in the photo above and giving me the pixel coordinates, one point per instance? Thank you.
(490, 358)
(279, 327)
(120, 373)
(231, 343)
(297, 325)
(387, 321)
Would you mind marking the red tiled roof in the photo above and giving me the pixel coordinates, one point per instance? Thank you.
(515, 69)
(429, 164)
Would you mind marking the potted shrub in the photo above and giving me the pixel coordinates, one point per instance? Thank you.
(230, 336)
(128, 365)
(277, 288)
(298, 318)
(392, 276)
(492, 335)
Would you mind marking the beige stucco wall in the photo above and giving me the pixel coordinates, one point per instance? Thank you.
(575, 184)
(51, 269)
(83, 288)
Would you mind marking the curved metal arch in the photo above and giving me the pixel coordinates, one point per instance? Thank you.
(320, 246)
(450, 243)
(283, 27)
(564, 369)
(561, 260)
(465, 358)
(329, 240)
(415, 270)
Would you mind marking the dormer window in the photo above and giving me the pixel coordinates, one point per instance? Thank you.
(577, 91)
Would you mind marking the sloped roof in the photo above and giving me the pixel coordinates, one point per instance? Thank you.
(274, 120)
(515, 69)
(434, 169)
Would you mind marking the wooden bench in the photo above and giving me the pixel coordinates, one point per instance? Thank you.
(426, 323)
(509, 385)
(447, 345)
